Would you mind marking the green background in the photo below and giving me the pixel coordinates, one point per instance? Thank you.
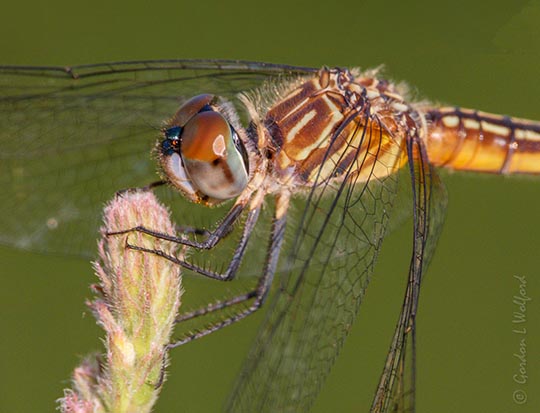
(476, 54)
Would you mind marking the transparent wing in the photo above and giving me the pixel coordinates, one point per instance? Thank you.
(396, 389)
(338, 235)
(71, 137)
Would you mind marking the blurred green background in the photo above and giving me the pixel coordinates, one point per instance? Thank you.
(470, 53)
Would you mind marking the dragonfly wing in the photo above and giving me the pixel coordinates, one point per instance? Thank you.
(71, 137)
(338, 236)
(396, 389)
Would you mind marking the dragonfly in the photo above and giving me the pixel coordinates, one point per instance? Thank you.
(294, 171)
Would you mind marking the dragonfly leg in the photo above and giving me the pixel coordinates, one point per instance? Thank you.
(236, 259)
(187, 229)
(217, 306)
(142, 188)
(259, 294)
(223, 229)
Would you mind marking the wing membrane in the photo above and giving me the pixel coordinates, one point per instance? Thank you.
(338, 236)
(396, 389)
(71, 137)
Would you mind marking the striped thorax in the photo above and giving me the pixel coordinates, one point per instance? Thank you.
(335, 125)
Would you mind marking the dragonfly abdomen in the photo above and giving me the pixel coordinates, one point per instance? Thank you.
(464, 139)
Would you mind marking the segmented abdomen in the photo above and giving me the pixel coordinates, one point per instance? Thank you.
(464, 139)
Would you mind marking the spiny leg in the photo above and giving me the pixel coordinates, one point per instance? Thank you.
(223, 229)
(148, 187)
(263, 286)
(217, 306)
(187, 229)
(259, 293)
(234, 263)
(184, 229)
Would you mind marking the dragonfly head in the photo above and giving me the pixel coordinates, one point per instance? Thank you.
(202, 154)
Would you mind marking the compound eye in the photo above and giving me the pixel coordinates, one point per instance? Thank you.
(213, 156)
(190, 108)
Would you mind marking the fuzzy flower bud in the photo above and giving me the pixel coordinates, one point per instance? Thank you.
(137, 303)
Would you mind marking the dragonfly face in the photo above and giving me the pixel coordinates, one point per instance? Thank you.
(202, 154)
(340, 138)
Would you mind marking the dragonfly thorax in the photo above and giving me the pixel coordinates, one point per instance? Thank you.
(333, 126)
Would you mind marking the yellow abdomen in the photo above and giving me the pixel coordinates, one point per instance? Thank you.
(464, 139)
